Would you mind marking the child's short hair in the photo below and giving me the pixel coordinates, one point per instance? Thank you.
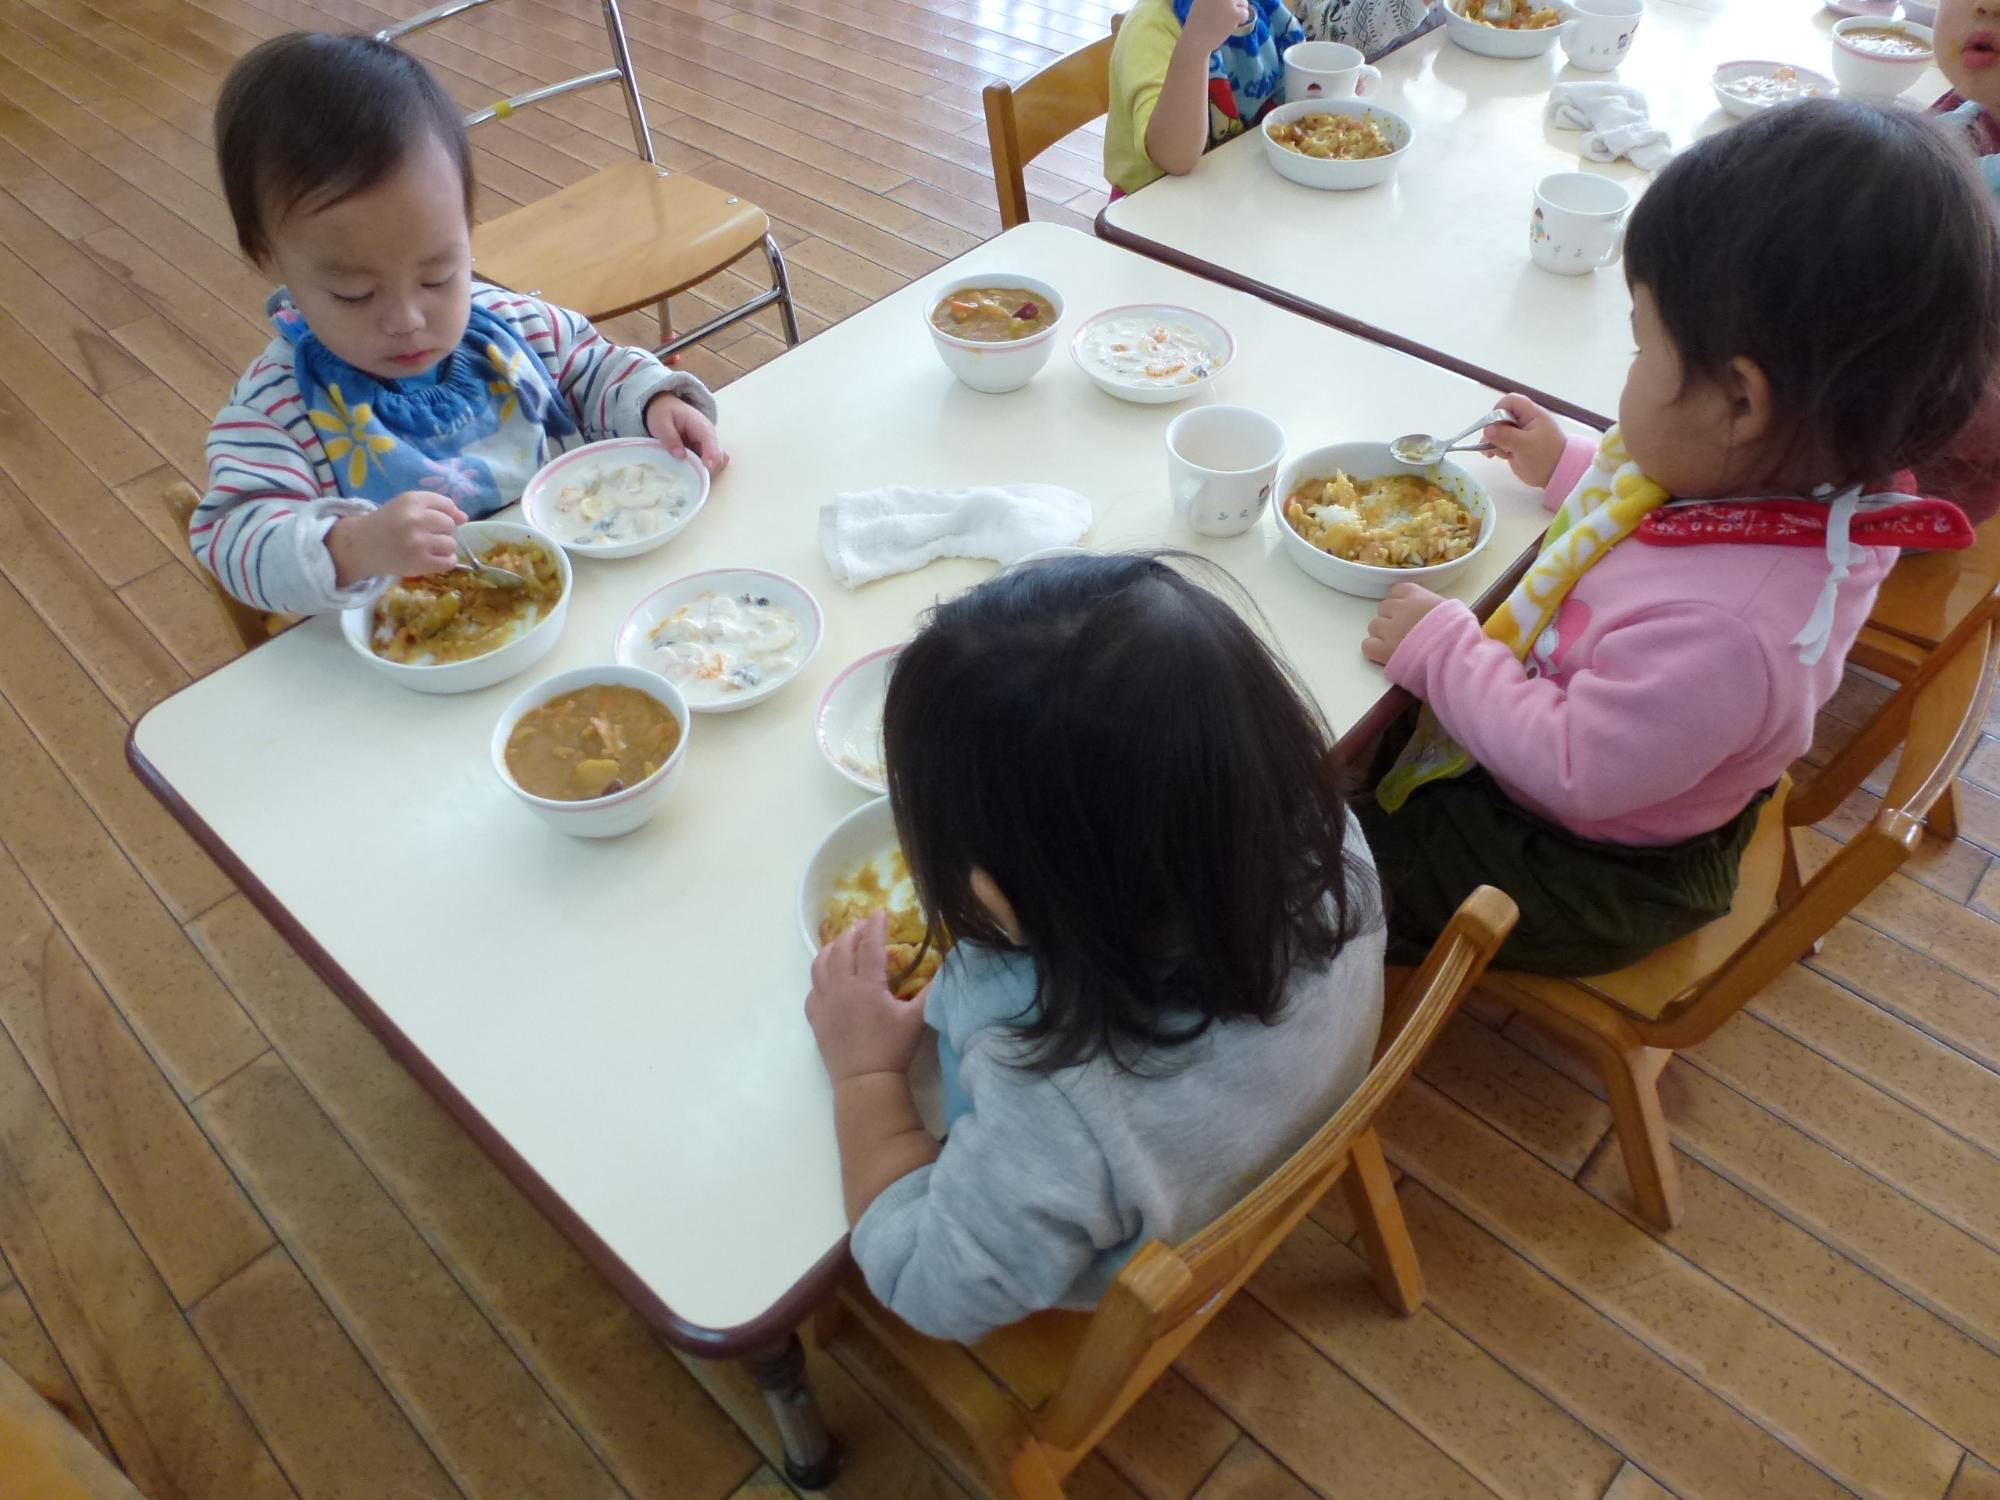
(310, 118)
(1851, 253)
(1139, 774)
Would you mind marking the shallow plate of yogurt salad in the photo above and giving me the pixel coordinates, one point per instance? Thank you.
(1152, 353)
(616, 498)
(727, 638)
(848, 725)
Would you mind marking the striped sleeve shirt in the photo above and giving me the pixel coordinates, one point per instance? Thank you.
(273, 495)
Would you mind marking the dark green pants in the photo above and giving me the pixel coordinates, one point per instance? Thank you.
(1586, 907)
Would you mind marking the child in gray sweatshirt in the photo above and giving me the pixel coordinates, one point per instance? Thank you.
(1167, 969)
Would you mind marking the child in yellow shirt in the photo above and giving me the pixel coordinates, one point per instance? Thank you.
(1190, 74)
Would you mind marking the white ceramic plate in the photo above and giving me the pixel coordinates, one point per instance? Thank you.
(848, 725)
(538, 500)
(1743, 109)
(474, 672)
(1330, 173)
(1218, 338)
(867, 833)
(632, 645)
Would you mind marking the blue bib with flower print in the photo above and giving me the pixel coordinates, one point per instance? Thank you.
(475, 428)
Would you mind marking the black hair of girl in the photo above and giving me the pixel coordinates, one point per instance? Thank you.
(1145, 782)
(1851, 253)
(308, 119)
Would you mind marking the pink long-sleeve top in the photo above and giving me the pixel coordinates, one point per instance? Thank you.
(1665, 695)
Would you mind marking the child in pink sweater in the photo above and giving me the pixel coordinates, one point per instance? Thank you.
(1816, 304)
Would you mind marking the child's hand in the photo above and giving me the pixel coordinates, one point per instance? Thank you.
(1533, 445)
(860, 1025)
(411, 535)
(1406, 605)
(1212, 22)
(672, 421)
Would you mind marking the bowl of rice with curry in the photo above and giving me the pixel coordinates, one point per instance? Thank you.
(1356, 520)
(458, 631)
(1525, 28)
(1336, 144)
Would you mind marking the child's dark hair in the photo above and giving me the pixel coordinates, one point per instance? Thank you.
(1139, 774)
(308, 119)
(1851, 253)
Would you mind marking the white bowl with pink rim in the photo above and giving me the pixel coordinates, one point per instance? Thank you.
(726, 637)
(994, 368)
(1152, 353)
(1750, 85)
(848, 725)
(588, 525)
(1879, 59)
(1337, 173)
(865, 836)
(616, 812)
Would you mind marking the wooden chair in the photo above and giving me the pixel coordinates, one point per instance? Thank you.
(1630, 1023)
(630, 235)
(1035, 1398)
(251, 626)
(1924, 597)
(1023, 121)
(43, 1457)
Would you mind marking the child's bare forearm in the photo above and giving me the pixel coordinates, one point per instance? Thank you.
(1178, 132)
(882, 1138)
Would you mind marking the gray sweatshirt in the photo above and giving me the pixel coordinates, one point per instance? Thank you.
(1052, 1181)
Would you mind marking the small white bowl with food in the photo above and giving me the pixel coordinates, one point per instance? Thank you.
(1336, 145)
(1358, 521)
(858, 869)
(1878, 59)
(616, 498)
(994, 330)
(848, 726)
(595, 751)
(1152, 353)
(1750, 86)
(452, 633)
(1529, 30)
(727, 638)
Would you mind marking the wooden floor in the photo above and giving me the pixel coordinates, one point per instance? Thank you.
(253, 1259)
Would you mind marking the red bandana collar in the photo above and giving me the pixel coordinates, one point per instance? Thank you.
(1934, 525)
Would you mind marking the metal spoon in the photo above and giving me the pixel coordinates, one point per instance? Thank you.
(499, 578)
(1420, 448)
(1498, 10)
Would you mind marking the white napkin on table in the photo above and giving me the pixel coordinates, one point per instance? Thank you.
(1614, 120)
(873, 533)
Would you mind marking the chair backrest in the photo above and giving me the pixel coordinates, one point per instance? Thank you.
(620, 72)
(1023, 120)
(252, 626)
(43, 1457)
(1164, 1297)
(1937, 717)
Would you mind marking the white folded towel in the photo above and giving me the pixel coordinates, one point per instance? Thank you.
(1614, 121)
(874, 533)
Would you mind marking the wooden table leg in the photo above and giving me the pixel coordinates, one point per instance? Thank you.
(812, 1458)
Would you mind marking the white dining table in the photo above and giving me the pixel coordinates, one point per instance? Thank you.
(619, 1022)
(1436, 261)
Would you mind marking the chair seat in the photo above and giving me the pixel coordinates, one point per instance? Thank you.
(1927, 593)
(622, 238)
(1032, 1358)
(1659, 981)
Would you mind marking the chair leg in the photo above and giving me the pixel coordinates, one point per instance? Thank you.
(1371, 1196)
(1030, 1476)
(783, 282)
(1631, 1080)
(1942, 821)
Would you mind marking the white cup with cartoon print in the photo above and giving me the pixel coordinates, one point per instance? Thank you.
(1579, 223)
(1221, 464)
(1327, 70)
(1599, 32)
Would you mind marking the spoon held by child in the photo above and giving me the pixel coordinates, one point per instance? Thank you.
(1421, 449)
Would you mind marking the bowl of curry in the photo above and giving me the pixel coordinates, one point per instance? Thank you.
(454, 633)
(593, 752)
(994, 330)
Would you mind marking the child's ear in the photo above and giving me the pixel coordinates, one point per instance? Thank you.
(996, 903)
(1749, 393)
